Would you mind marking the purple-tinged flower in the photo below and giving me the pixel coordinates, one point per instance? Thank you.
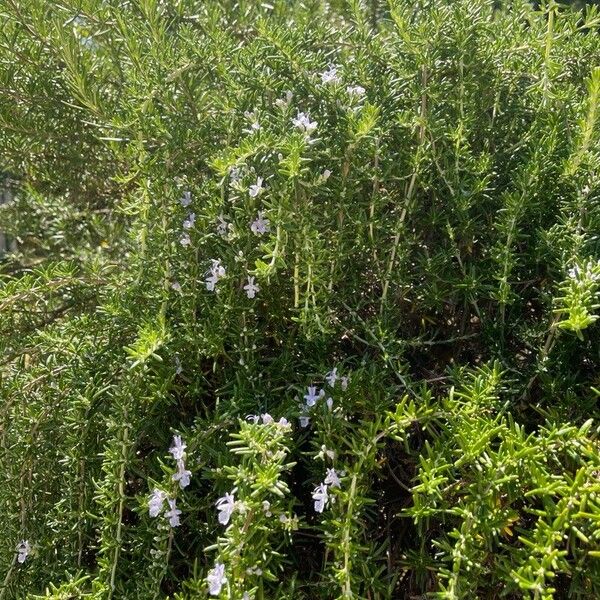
(216, 579)
(332, 377)
(256, 189)
(304, 420)
(186, 199)
(321, 497)
(329, 403)
(178, 448)
(303, 122)
(189, 222)
(225, 506)
(267, 419)
(173, 513)
(216, 272)
(155, 504)
(260, 225)
(185, 240)
(332, 478)
(251, 288)
(235, 175)
(330, 76)
(23, 550)
(182, 475)
(176, 286)
(312, 396)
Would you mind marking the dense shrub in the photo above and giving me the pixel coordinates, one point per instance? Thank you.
(304, 300)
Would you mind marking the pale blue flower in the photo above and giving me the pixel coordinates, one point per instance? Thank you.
(321, 497)
(173, 513)
(251, 288)
(332, 377)
(186, 199)
(303, 122)
(155, 504)
(330, 76)
(332, 478)
(312, 396)
(178, 448)
(225, 506)
(216, 579)
(189, 222)
(182, 475)
(261, 225)
(256, 189)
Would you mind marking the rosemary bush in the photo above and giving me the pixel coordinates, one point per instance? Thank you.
(304, 300)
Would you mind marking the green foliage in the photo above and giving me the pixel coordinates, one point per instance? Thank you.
(377, 221)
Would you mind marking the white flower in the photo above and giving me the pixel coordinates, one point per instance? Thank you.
(325, 175)
(222, 226)
(304, 420)
(225, 506)
(176, 286)
(253, 418)
(178, 448)
(321, 497)
(267, 419)
(254, 124)
(189, 222)
(356, 90)
(216, 579)
(217, 268)
(186, 199)
(325, 452)
(257, 188)
(251, 288)
(157, 499)
(178, 367)
(303, 122)
(329, 403)
(330, 76)
(216, 272)
(283, 518)
(312, 396)
(185, 240)
(260, 225)
(283, 103)
(266, 505)
(332, 478)
(182, 475)
(23, 548)
(332, 377)
(344, 381)
(173, 514)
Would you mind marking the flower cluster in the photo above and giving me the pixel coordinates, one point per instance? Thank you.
(188, 223)
(214, 274)
(178, 451)
(183, 476)
(321, 493)
(156, 503)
